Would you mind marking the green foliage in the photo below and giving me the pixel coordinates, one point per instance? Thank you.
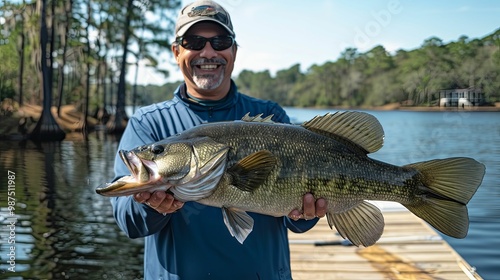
(377, 77)
(89, 43)
(8, 69)
(85, 47)
(6, 90)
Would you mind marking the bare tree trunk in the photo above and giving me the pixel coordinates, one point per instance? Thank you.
(139, 55)
(104, 115)
(46, 128)
(85, 128)
(52, 42)
(134, 91)
(21, 59)
(120, 115)
(60, 84)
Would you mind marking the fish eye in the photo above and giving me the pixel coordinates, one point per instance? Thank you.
(157, 149)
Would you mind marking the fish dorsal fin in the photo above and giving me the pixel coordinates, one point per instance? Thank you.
(258, 118)
(361, 128)
(250, 172)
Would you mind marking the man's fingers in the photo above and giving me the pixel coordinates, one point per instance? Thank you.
(321, 207)
(169, 205)
(142, 197)
(309, 207)
(178, 204)
(156, 199)
(295, 215)
(161, 201)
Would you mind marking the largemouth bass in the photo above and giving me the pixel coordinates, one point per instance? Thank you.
(259, 166)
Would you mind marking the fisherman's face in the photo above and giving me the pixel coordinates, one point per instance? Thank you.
(207, 72)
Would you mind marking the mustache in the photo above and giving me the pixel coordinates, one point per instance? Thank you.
(201, 61)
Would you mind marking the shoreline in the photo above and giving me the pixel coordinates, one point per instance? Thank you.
(15, 125)
(399, 107)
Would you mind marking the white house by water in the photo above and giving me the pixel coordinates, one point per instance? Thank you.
(465, 97)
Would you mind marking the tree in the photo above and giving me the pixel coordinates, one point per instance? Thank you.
(117, 125)
(68, 11)
(352, 77)
(46, 128)
(13, 16)
(22, 40)
(284, 82)
(135, 20)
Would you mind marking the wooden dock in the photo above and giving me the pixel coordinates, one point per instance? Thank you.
(408, 249)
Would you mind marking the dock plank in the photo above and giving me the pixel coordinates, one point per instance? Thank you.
(408, 249)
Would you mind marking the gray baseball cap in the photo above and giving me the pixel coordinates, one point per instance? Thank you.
(203, 10)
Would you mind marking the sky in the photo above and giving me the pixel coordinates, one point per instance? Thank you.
(275, 35)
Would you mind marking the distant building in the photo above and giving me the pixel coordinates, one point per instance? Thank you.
(465, 97)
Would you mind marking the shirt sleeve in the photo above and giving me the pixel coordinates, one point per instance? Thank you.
(135, 219)
(279, 114)
(300, 226)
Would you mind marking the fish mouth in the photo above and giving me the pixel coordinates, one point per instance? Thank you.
(130, 163)
(127, 185)
(144, 177)
(143, 170)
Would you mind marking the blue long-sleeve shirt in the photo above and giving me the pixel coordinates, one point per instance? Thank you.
(194, 243)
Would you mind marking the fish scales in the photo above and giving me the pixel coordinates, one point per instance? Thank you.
(306, 160)
(259, 166)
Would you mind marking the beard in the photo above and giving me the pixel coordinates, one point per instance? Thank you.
(209, 81)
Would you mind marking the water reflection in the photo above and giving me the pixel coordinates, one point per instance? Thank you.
(64, 230)
(419, 136)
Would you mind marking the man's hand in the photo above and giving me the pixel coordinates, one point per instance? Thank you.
(161, 201)
(311, 208)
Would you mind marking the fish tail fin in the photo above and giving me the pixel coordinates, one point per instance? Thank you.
(450, 184)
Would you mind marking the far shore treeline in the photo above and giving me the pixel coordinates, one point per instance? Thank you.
(376, 77)
(87, 42)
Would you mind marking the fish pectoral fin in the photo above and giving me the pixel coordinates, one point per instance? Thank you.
(362, 225)
(238, 222)
(361, 128)
(252, 171)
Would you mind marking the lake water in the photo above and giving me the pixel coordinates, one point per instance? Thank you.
(63, 230)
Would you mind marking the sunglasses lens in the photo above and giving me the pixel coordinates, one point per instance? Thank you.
(192, 42)
(197, 43)
(220, 43)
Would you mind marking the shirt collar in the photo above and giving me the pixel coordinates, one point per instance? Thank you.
(228, 100)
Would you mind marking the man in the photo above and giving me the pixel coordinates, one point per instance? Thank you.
(190, 240)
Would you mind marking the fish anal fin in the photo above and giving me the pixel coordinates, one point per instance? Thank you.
(447, 186)
(238, 222)
(250, 172)
(362, 225)
(360, 128)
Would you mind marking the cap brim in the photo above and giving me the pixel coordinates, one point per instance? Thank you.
(186, 27)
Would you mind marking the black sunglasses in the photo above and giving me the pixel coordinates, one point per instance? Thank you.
(196, 43)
